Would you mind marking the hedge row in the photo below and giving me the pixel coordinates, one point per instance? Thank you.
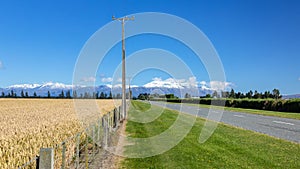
(292, 105)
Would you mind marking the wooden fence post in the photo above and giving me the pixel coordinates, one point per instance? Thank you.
(46, 159)
(77, 150)
(115, 118)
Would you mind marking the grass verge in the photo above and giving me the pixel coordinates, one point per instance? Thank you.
(251, 111)
(228, 147)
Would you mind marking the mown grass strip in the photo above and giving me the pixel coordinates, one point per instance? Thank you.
(229, 147)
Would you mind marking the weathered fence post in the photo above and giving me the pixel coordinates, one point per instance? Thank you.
(115, 118)
(46, 159)
(108, 120)
(99, 132)
(86, 151)
(105, 139)
(119, 114)
(93, 140)
(77, 150)
(63, 162)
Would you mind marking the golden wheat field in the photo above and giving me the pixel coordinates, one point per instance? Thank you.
(26, 125)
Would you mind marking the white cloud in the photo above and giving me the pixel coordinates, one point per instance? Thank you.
(1, 65)
(218, 85)
(106, 79)
(88, 79)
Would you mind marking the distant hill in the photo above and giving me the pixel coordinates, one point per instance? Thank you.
(293, 96)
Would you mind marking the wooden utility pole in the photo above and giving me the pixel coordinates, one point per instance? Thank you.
(122, 20)
(129, 92)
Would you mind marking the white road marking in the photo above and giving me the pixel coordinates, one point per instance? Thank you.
(238, 115)
(282, 122)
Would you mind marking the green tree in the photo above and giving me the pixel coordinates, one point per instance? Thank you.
(74, 94)
(169, 96)
(119, 96)
(232, 94)
(207, 96)
(276, 93)
(141, 97)
(62, 94)
(238, 95)
(86, 95)
(110, 95)
(26, 94)
(255, 96)
(48, 94)
(249, 94)
(34, 94)
(187, 96)
(215, 94)
(102, 96)
(68, 94)
(22, 94)
(225, 94)
(130, 94)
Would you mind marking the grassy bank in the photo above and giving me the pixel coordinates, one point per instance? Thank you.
(229, 147)
(292, 105)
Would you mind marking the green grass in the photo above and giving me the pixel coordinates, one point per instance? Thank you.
(229, 147)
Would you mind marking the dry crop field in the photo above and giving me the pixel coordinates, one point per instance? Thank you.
(26, 125)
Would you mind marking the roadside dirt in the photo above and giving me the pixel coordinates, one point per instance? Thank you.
(107, 160)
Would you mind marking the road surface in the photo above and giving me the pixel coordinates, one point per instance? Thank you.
(284, 128)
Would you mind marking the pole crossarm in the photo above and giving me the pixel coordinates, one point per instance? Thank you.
(126, 18)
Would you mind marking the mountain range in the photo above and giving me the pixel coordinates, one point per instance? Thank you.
(56, 88)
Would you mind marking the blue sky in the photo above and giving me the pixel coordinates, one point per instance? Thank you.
(257, 41)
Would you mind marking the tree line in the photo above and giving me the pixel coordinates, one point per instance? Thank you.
(275, 94)
(63, 94)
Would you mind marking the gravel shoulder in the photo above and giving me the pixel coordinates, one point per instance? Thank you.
(106, 159)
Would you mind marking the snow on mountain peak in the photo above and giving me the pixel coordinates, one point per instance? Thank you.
(50, 85)
(172, 83)
(24, 86)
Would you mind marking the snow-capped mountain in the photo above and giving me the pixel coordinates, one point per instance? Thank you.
(55, 89)
(49, 85)
(294, 96)
(40, 89)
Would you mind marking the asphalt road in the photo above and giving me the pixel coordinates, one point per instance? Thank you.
(284, 128)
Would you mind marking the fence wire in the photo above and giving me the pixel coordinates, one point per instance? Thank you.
(79, 151)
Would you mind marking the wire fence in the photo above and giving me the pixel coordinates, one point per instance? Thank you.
(80, 150)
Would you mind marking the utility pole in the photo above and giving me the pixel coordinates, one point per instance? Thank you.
(129, 92)
(123, 20)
